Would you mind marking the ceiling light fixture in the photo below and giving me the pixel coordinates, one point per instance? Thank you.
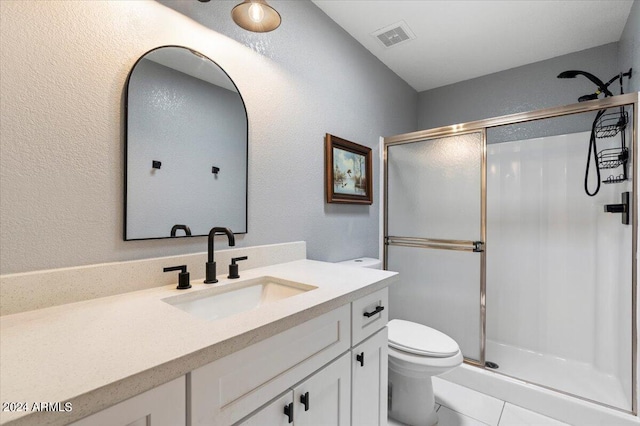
(256, 16)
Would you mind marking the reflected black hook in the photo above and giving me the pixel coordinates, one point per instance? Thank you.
(185, 228)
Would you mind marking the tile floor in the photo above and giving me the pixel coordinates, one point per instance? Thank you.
(460, 406)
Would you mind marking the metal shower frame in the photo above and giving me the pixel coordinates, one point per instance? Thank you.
(481, 126)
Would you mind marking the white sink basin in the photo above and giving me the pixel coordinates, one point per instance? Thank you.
(229, 299)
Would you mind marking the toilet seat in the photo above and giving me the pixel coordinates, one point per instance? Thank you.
(418, 339)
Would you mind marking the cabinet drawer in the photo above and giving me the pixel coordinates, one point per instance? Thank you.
(368, 315)
(228, 389)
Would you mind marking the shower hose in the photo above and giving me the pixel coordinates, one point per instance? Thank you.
(593, 150)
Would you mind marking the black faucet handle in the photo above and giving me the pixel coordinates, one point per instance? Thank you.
(181, 268)
(233, 268)
(183, 276)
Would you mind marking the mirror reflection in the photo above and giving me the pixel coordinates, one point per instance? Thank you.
(186, 153)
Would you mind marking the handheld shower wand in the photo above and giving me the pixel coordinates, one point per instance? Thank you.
(602, 87)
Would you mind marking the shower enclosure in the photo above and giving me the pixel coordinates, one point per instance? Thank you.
(499, 246)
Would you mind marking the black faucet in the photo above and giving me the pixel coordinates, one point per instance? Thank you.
(210, 276)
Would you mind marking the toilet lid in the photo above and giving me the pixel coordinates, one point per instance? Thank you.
(419, 339)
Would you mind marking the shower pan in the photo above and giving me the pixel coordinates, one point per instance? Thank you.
(499, 247)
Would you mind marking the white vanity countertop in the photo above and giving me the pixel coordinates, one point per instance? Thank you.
(99, 352)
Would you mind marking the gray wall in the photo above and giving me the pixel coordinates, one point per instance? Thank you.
(630, 48)
(520, 89)
(64, 66)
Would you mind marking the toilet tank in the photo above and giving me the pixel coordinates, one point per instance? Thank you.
(363, 262)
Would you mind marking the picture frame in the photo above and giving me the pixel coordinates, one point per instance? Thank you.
(348, 171)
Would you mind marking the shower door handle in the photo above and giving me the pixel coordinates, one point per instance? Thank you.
(433, 243)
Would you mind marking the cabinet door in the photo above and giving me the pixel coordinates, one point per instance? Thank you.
(161, 406)
(273, 414)
(324, 398)
(369, 381)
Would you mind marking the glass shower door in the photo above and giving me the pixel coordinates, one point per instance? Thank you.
(559, 272)
(434, 235)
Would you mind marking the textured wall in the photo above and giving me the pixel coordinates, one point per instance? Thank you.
(630, 48)
(520, 89)
(64, 66)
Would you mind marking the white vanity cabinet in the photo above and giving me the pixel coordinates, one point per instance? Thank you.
(310, 371)
(322, 399)
(160, 406)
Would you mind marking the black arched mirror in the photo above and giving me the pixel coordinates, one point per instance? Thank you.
(186, 147)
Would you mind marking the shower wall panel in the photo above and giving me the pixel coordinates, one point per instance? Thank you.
(558, 267)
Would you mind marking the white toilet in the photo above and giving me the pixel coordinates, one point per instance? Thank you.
(416, 353)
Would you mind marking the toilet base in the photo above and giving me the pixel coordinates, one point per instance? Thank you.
(411, 400)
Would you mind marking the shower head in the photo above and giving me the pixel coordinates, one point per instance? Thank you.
(602, 88)
(568, 74)
(590, 97)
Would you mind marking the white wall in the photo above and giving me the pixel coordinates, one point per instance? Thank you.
(64, 65)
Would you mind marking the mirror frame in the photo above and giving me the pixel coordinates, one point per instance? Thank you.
(126, 148)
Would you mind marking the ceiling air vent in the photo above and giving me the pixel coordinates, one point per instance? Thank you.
(394, 34)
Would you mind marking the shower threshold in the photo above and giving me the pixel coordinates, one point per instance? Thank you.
(569, 376)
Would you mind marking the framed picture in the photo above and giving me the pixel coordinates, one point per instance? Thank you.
(348, 171)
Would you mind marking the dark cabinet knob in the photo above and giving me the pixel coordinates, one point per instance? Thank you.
(304, 398)
(288, 411)
(360, 359)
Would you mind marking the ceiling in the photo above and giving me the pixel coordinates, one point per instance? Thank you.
(458, 40)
